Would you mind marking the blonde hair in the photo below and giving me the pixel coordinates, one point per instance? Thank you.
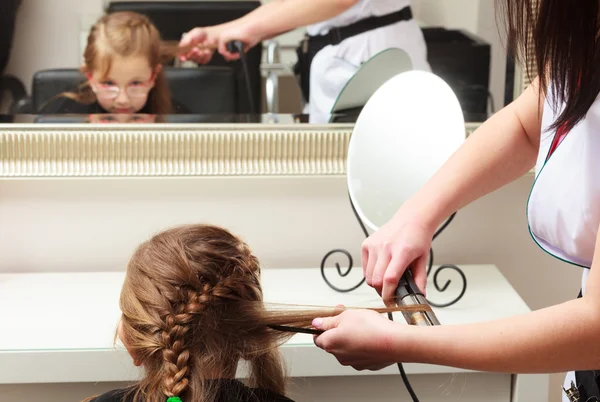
(125, 34)
(193, 308)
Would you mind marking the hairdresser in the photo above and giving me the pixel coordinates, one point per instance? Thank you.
(555, 126)
(342, 34)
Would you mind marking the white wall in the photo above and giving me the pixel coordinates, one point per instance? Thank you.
(94, 224)
(451, 14)
(47, 35)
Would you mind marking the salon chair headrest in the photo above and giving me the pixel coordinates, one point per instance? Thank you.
(203, 90)
(49, 83)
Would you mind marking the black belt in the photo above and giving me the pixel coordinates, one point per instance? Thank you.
(311, 45)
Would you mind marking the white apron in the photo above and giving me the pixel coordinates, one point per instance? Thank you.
(564, 205)
(333, 66)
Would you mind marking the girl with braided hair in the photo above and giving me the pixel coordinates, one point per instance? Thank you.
(123, 66)
(192, 310)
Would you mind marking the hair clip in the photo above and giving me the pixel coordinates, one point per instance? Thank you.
(284, 328)
(174, 399)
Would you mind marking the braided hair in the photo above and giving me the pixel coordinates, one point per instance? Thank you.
(193, 310)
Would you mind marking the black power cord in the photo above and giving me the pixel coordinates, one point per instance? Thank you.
(407, 384)
(237, 46)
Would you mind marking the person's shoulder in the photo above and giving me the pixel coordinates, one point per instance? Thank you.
(66, 105)
(273, 397)
(236, 390)
(268, 396)
(116, 395)
(179, 108)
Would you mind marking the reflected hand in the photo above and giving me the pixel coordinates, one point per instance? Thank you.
(236, 33)
(358, 338)
(388, 252)
(205, 37)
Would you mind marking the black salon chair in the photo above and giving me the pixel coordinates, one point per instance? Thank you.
(206, 90)
(15, 89)
(173, 18)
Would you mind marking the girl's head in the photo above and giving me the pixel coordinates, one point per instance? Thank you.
(558, 39)
(122, 61)
(192, 309)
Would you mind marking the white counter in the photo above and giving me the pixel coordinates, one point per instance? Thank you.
(63, 324)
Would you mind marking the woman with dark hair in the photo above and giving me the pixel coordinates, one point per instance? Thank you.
(555, 126)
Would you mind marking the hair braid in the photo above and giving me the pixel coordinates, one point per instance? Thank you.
(176, 355)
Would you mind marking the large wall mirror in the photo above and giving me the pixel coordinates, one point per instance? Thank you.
(48, 39)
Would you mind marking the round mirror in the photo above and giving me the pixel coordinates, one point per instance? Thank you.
(370, 76)
(407, 130)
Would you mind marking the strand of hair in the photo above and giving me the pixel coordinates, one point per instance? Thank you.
(170, 50)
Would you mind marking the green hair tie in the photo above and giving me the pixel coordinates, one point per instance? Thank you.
(174, 399)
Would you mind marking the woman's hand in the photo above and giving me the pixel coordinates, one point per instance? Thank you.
(401, 243)
(216, 38)
(236, 32)
(207, 40)
(362, 339)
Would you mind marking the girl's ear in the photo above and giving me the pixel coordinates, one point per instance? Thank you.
(84, 69)
(137, 362)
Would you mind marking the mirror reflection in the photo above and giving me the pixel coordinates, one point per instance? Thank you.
(142, 118)
(222, 58)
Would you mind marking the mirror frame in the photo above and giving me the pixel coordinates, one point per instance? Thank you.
(93, 150)
(36, 151)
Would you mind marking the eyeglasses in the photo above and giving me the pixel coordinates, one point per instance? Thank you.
(136, 89)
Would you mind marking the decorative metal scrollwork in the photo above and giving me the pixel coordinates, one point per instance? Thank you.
(440, 288)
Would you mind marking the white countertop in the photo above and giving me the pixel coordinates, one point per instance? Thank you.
(64, 323)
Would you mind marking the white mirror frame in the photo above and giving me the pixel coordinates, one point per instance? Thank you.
(37, 150)
(174, 150)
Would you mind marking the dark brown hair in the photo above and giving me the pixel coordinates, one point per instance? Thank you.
(193, 309)
(559, 39)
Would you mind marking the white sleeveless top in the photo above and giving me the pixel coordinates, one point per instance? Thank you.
(564, 205)
(362, 9)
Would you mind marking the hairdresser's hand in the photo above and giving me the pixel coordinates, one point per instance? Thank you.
(358, 338)
(206, 38)
(236, 32)
(402, 243)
